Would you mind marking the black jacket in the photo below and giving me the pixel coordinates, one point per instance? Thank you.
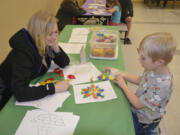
(23, 64)
(66, 12)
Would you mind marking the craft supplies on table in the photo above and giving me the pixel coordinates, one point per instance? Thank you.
(104, 45)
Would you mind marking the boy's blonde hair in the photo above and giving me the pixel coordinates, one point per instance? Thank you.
(40, 24)
(159, 45)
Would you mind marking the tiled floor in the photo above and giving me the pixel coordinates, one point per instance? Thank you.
(148, 20)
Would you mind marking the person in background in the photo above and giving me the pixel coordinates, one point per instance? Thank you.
(164, 4)
(67, 12)
(155, 84)
(113, 7)
(30, 57)
(126, 17)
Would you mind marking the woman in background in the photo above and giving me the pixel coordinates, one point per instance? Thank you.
(68, 10)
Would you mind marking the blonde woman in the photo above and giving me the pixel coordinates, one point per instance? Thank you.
(31, 55)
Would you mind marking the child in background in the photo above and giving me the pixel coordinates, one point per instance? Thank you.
(155, 84)
(113, 7)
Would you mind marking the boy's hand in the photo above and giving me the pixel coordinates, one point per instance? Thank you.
(107, 70)
(120, 81)
(113, 71)
(62, 86)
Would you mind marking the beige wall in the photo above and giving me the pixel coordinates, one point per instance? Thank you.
(14, 15)
(137, 0)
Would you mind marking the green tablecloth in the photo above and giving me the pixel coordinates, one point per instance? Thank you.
(102, 118)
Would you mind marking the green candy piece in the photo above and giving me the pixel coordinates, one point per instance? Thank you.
(102, 96)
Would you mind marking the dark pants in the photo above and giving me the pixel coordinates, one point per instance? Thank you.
(164, 4)
(143, 129)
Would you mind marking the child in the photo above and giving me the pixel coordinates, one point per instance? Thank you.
(67, 12)
(113, 7)
(155, 85)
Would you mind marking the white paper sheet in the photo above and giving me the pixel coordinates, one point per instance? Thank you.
(108, 93)
(82, 72)
(96, 4)
(38, 122)
(78, 39)
(80, 31)
(52, 67)
(49, 103)
(99, 11)
(83, 55)
(79, 35)
(71, 48)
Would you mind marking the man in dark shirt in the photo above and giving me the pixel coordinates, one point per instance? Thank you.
(126, 17)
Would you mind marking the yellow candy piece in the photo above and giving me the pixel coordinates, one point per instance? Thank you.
(42, 83)
(68, 80)
(91, 92)
(56, 81)
(110, 77)
(103, 77)
(48, 81)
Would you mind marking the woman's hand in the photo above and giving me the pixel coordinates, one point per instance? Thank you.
(62, 86)
(53, 45)
(55, 48)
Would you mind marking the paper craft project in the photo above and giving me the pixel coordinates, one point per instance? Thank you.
(82, 72)
(104, 92)
(49, 103)
(71, 48)
(94, 91)
(37, 122)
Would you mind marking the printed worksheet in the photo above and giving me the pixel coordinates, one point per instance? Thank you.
(80, 31)
(79, 35)
(71, 48)
(78, 39)
(38, 122)
(82, 72)
(49, 103)
(96, 92)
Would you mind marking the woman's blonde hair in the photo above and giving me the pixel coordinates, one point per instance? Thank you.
(40, 24)
(159, 45)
